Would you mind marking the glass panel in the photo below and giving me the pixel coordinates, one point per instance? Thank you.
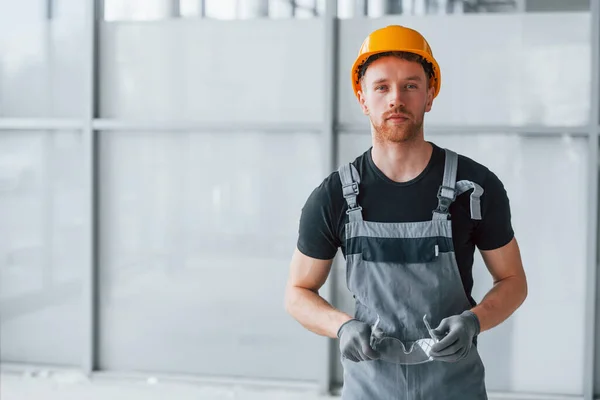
(41, 68)
(541, 176)
(41, 261)
(171, 71)
(190, 8)
(142, 10)
(222, 9)
(347, 9)
(306, 8)
(280, 9)
(300, 9)
(195, 251)
(492, 88)
(379, 8)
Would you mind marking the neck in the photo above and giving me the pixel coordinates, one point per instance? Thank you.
(404, 161)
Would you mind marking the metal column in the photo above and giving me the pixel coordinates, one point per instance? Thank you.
(361, 8)
(253, 9)
(591, 361)
(50, 9)
(329, 149)
(93, 11)
(174, 10)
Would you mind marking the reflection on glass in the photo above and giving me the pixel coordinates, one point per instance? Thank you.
(138, 10)
(192, 8)
(41, 53)
(142, 10)
(226, 9)
(41, 241)
(379, 8)
(145, 10)
(249, 9)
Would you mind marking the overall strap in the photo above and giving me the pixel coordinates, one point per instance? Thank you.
(463, 186)
(447, 191)
(350, 182)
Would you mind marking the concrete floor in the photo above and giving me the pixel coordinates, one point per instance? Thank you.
(69, 385)
(74, 386)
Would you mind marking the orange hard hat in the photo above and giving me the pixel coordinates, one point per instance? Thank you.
(395, 38)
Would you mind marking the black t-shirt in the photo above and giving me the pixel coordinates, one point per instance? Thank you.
(323, 219)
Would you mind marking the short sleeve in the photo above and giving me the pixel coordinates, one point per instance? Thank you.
(495, 228)
(317, 233)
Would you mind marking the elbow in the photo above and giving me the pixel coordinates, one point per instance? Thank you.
(288, 300)
(524, 289)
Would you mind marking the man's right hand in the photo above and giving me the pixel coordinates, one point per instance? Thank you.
(355, 339)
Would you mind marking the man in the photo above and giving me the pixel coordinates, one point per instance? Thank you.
(408, 216)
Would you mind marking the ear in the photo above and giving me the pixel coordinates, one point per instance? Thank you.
(363, 102)
(429, 103)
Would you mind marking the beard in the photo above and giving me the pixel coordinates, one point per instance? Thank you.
(388, 131)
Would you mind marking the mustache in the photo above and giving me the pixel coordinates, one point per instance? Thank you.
(397, 111)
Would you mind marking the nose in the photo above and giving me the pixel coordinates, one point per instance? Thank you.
(396, 98)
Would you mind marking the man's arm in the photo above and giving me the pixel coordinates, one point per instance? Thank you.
(302, 300)
(510, 285)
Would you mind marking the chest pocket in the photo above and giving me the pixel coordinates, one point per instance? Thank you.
(403, 250)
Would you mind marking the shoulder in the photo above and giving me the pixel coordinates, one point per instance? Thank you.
(322, 218)
(479, 174)
(471, 170)
(476, 172)
(495, 203)
(331, 187)
(329, 192)
(494, 229)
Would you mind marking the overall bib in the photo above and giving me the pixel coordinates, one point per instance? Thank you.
(399, 273)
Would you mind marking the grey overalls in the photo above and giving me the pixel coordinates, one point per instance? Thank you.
(398, 273)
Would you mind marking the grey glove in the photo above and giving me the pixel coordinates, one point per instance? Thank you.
(355, 341)
(455, 335)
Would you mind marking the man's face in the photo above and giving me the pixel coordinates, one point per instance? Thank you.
(395, 95)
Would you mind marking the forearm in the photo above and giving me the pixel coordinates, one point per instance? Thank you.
(501, 301)
(314, 312)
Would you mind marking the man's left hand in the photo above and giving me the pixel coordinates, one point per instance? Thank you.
(455, 335)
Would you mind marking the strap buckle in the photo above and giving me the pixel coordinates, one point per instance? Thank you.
(445, 202)
(357, 208)
(350, 190)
